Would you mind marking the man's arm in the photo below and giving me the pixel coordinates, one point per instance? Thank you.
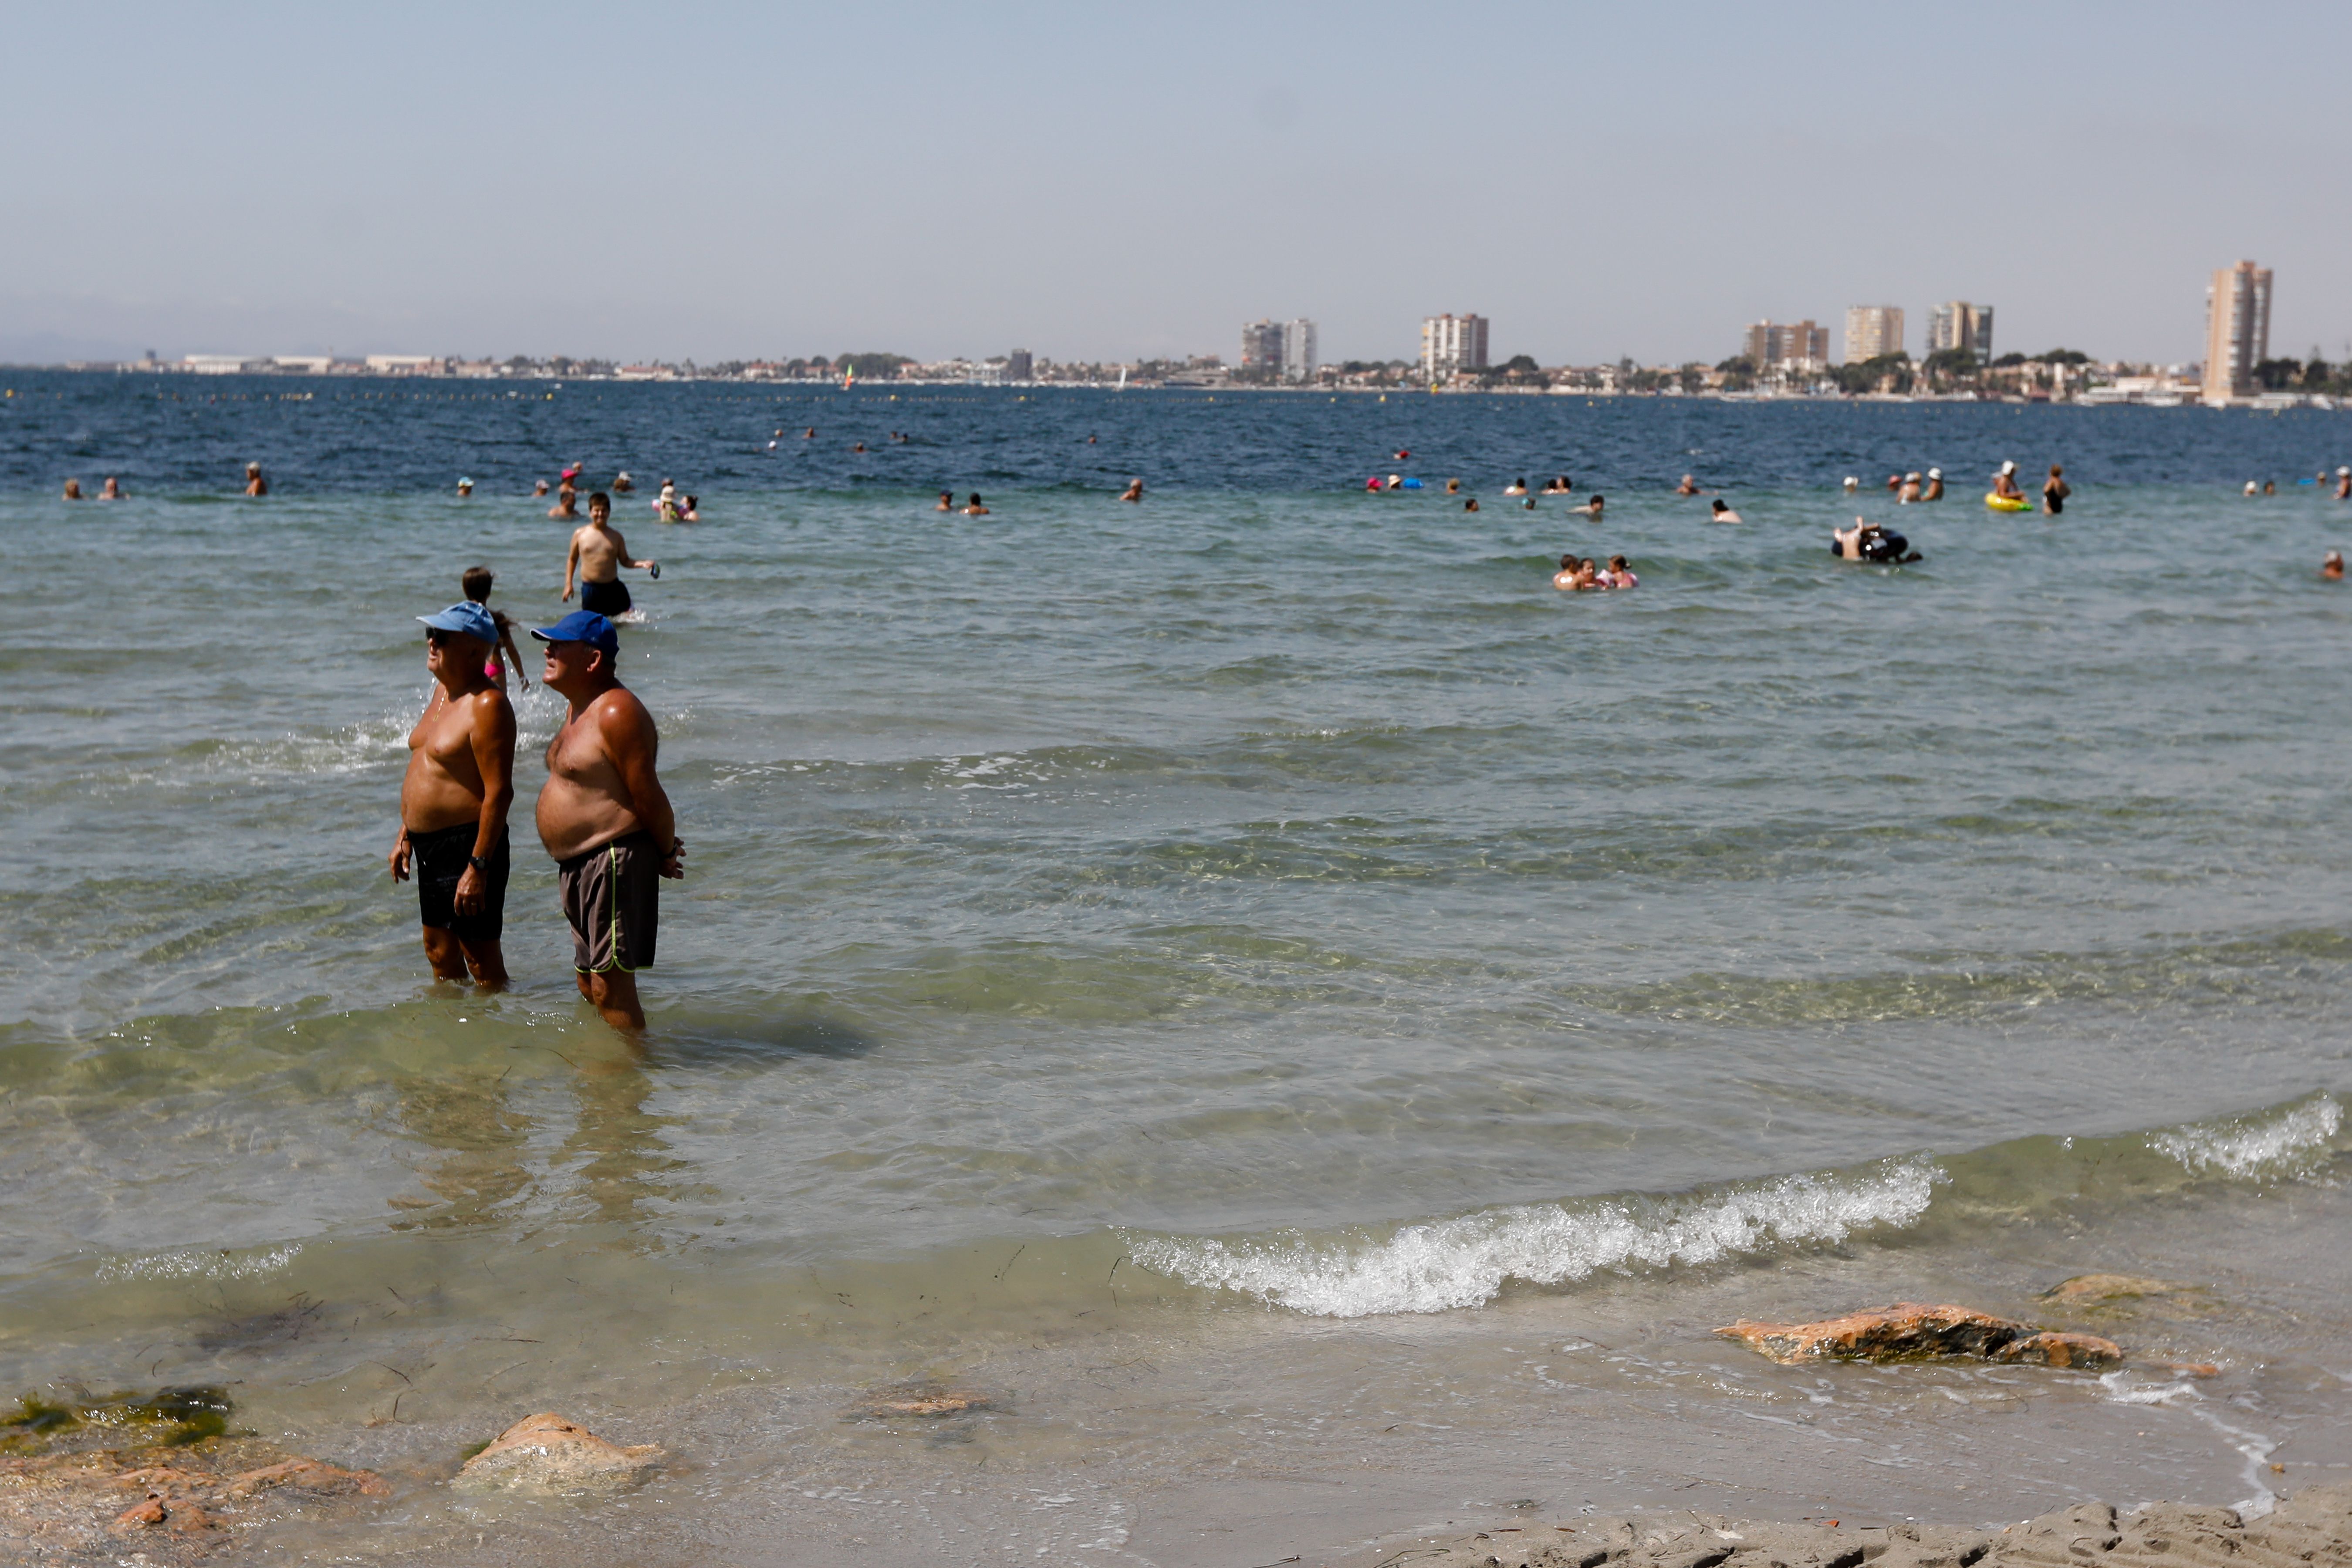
(493, 735)
(632, 741)
(570, 559)
(621, 549)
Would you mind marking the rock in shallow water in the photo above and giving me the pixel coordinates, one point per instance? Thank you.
(1912, 1331)
(168, 1504)
(548, 1453)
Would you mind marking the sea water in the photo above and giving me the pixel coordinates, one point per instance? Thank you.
(1310, 1022)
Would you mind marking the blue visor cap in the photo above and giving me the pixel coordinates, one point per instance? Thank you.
(468, 619)
(581, 626)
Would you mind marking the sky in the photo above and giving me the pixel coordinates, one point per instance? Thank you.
(1113, 181)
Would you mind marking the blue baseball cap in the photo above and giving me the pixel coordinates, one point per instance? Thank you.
(581, 626)
(468, 619)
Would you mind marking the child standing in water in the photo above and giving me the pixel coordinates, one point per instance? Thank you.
(476, 584)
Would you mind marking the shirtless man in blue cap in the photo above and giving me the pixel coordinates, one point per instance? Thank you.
(455, 798)
(605, 816)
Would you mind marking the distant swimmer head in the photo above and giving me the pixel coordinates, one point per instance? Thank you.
(1912, 478)
(2341, 472)
(1721, 505)
(2252, 489)
(1935, 473)
(1853, 483)
(2009, 468)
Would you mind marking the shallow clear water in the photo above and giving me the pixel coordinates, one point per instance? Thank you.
(1197, 936)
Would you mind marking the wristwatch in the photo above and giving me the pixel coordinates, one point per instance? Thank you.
(478, 864)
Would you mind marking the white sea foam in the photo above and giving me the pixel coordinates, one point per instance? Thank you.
(2258, 1146)
(1462, 1262)
(193, 1263)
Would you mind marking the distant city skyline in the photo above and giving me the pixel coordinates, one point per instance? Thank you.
(498, 182)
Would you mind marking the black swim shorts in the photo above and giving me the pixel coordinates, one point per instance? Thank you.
(611, 896)
(440, 861)
(606, 599)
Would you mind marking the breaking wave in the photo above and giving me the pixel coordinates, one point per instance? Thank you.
(2260, 1143)
(190, 1263)
(1462, 1262)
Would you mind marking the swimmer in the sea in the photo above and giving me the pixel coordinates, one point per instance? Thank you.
(1558, 485)
(465, 489)
(1470, 505)
(2332, 568)
(1518, 486)
(1910, 490)
(567, 501)
(1623, 574)
(1849, 540)
(1723, 512)
(976, 509)
(254, 485)
(2004, 483)
(2054, 492)
(1894, 484)
(1134, 490)
(2270, 487)
(2252, 489)
(598, 552)
(475, 584)
(947, 501)
(1934, 491)
(109, 491)
(538, 490)
(1851, 484)
(857, 445)
(73, 489)
(1592, 507)
(1689, 487)
(2344, 484)
(622, 483)
(1454, 487)
(1565, 578)
(692, 510)
(809, 434)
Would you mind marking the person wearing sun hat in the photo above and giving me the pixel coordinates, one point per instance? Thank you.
(605, 817)
(455, 798)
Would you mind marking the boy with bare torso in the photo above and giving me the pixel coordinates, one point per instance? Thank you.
(455, 798)
(598, 552)
(605, 816)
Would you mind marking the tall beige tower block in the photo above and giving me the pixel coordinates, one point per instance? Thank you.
(2237, 330)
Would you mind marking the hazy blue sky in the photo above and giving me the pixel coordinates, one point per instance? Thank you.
(735, 180)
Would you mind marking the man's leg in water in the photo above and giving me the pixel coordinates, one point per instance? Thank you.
(614, 993)
(489, 965)
(442, 951)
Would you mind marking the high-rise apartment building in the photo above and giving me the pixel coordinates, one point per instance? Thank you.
(1261, 347)
(2237, 330)
(1957, 324)
(1872, 331)
(1019, 365)
(1787, 345)
(1298, 360)
(1452, 344)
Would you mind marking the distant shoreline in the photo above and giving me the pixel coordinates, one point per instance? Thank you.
(2262, 403)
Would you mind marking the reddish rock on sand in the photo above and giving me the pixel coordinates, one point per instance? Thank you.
(548, 1453)
(1912, 1331)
